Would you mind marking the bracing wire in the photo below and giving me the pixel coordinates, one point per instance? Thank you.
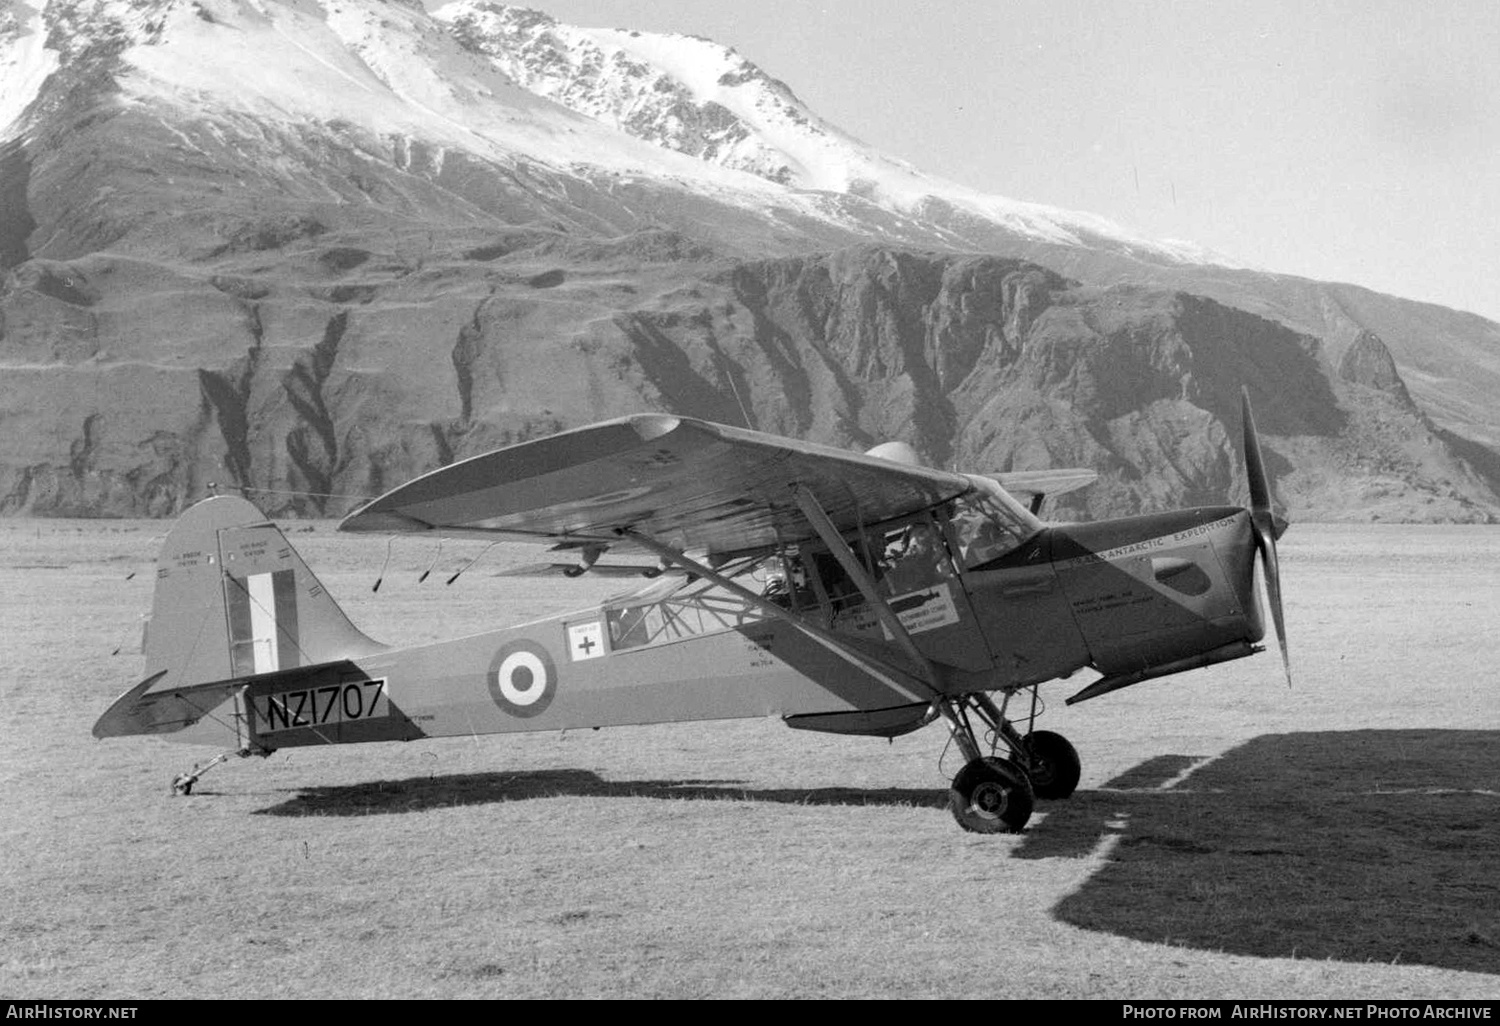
(428, 571)
(471, 562)
(381, 576)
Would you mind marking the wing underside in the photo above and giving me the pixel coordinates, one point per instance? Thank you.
(688, 483)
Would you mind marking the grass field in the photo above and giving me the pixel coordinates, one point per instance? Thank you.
(1230, 838)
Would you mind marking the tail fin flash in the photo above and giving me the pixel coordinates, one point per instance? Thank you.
(233, 599)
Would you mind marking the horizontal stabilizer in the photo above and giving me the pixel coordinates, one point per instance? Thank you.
(143, 711)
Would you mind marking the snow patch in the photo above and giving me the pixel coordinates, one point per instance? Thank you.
(25, 62)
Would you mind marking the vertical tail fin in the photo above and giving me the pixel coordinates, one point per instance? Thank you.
(234, 599)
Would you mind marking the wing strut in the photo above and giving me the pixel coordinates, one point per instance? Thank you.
(895, 677)
(861, 578)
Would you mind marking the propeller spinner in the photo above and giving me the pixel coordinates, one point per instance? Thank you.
(1268, 526)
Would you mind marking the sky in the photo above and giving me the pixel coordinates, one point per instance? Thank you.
(1344, 140)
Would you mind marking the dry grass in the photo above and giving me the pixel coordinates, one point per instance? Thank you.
(1231, 838)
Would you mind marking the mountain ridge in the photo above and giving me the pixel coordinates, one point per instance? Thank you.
(323, 285)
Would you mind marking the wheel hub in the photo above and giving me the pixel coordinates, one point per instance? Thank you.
(990, 799)
(1041, 772)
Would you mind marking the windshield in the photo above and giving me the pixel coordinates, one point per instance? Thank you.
(986, 527)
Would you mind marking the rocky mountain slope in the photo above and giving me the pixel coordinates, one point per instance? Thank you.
(314, 249)
(699, 98)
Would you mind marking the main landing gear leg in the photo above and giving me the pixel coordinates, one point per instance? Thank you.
(989, 795)
(1049, 759)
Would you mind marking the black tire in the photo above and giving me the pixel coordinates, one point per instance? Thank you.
(991, 796)
(1054, 766)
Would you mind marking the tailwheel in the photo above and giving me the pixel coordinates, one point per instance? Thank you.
(1053, 764)
(182, 784)
(991, 796)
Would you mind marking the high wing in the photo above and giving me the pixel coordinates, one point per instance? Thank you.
(689, 483)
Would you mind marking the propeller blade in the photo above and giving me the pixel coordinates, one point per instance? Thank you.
(1255, 467)
(1268, 527)
(1266, 543)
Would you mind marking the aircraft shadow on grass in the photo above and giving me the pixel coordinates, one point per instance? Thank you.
(440, 792)
(1364, 846)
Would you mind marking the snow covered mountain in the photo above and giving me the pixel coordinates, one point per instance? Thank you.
(317, 246)
(477, 78)
(697, 97)
(681, 93)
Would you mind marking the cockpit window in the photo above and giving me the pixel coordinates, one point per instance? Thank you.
(914, 557)
(985, 528)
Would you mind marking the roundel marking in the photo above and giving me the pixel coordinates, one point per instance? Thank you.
(522, 678)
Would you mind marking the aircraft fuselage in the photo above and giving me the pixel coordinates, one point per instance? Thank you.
(1119, 596)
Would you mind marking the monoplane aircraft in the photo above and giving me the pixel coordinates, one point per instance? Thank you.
(849, 593)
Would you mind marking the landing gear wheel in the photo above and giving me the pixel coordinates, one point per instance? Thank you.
(1054, 764)
(991, 796)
